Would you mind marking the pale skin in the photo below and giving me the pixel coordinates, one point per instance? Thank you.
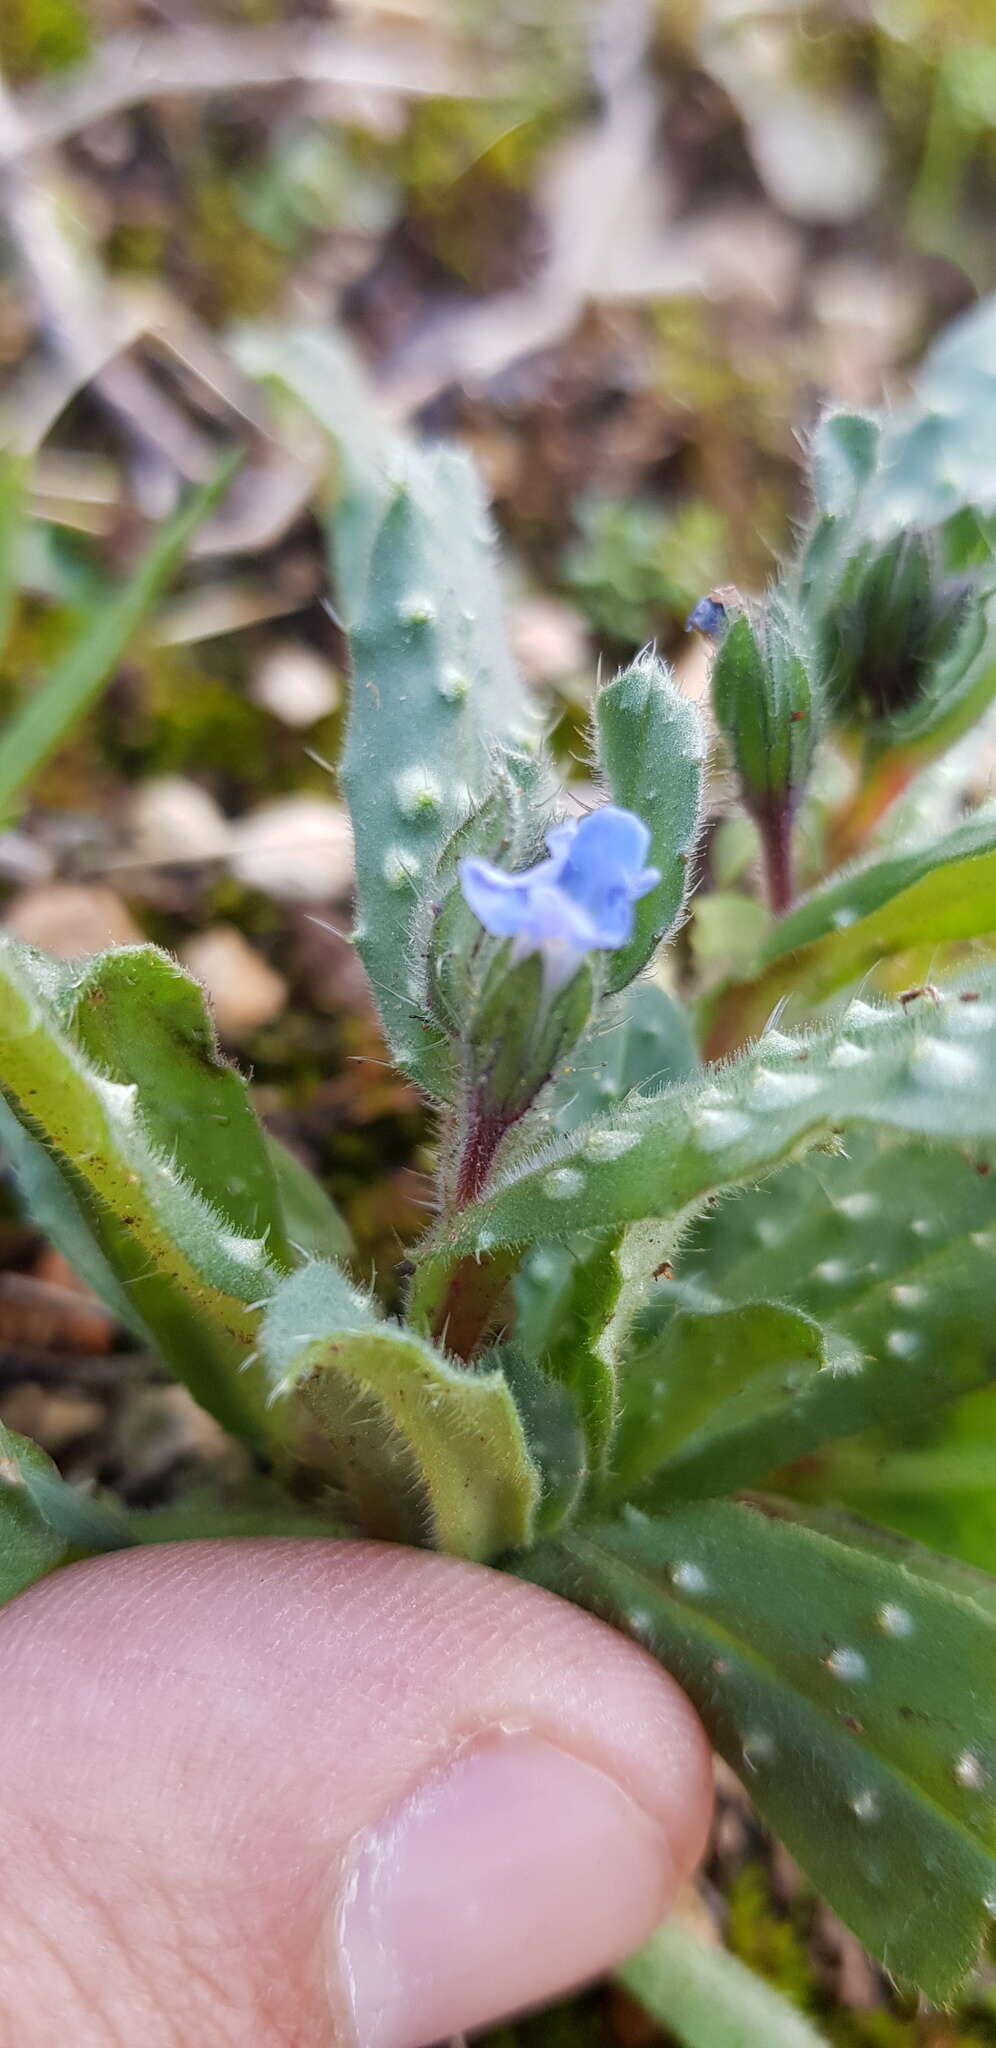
(290, 1795)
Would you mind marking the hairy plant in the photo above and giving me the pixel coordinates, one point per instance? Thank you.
(681, 1255)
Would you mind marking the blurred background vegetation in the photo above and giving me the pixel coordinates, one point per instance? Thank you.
(627, 252)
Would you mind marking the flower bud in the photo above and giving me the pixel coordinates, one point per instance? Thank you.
(763, 699)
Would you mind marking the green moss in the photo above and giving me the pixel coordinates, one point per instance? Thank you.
(184, 712)
(236, 270)
(37, 36)
(468, 167)
(637, 567)
(778, 1945)
(773, 1945)
(137, 246)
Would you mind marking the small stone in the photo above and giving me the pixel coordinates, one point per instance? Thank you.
(171, 819)
(549, 639)
(244, 991)
(298, 849)
(71, 919)
(296, 684)
(24, 860)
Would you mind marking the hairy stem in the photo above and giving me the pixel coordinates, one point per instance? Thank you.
(775, 826)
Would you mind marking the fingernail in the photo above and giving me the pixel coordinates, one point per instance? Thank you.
(511, 1875)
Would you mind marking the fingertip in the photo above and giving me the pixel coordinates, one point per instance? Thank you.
(314, 1761)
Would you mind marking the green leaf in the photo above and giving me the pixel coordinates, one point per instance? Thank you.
(931, 894)
(427, 1450)
(840, 1232)
(29, 1547)
(843, 455)
(196, 1281)
(707, 1998)
(87, 1526)
(565, 1295)
(700, 1385)
(313, 1225)
(143, 1021)
(642, 1040)
(854, 1695)
(434, 700)
(47, 1196)
(564, 1300)
(718, 1399)
(88, 665)
(553, 1432)
(891, 1247)
(651, 748)
(922, 1070)
(936, 451)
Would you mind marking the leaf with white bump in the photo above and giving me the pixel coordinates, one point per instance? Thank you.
(193, 1279)
(892, 1247)
(869, 1746)
(663, 1156)
(426, 1450)
(435, 699)
(717, 1399)
(928, 895)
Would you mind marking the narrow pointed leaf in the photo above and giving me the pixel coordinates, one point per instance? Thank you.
(434, 698)
(552, 1426)
(89, 663)
(718, 1399)
(314, 1227)
(651, 748)
(564, 1301)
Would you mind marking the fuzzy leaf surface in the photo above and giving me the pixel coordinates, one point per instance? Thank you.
(435, 698)
(194, 1280)
(854, 1696)
(922, 1070)
(144, 1022)
(427, 1450)
(887, 1257)
(651, 748)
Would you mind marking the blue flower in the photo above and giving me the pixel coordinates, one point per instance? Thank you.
(708, 616)
(578, 901)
